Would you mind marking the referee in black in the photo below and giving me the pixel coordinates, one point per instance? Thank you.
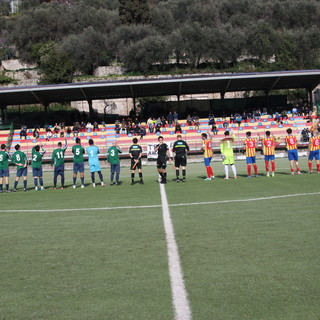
(180, 149)
(162, 149)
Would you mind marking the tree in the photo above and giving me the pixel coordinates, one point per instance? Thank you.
(86, 50)
(134, 12)
(4, 8)
(55, 66)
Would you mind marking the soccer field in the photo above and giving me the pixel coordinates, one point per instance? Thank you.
(247, 248)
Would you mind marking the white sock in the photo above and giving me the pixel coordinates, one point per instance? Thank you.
(226, 170)
(234, 170)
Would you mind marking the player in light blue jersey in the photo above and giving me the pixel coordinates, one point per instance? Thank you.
(94, 165)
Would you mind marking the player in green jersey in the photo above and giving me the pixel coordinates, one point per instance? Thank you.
(226, 148)
(57, 159)
(36, 164)
(4, 167)
(78, 162)
(20, 159)
(114, 160)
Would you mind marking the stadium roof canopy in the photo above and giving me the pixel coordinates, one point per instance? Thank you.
(216, 83)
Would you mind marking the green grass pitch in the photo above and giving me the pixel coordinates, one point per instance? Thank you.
(106, 258)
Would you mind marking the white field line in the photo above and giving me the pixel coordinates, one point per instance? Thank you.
(160, 206)
(179, 294)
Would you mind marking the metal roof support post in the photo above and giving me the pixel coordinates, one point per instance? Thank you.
(46, 107)
(91, 112)
(134, 106)
(310, 97)
(222, 100)
(178, 96)
(4, 113)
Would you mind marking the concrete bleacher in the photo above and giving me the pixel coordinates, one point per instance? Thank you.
(106, 135)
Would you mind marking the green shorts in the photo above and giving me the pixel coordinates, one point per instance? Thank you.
(228, 160)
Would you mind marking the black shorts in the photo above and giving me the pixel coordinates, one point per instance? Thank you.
(180, 161)
(135, 165)
(161, 163)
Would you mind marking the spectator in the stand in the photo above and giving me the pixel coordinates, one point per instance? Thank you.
(48, 134)
(142, 132)
(189, 120)
(163, 121)
(117, 127)
(211, 119)
(158, 127)
(129, 128)
(196, 121)
(123, 126)
(82, 127)
(214, 129)
(36, 133)
(88, 126)
(136, 130)
(238, 119)
(68, 130)
(244, 116)
(62, 130)
(175, 117)
(257, 114)
(151, 127)
(305, 135)
(232, 118)
(284, 115)
(56, 128)
(225, 124)
(95, 126)
(170, 118)
(158, 121)
(277, 118)
(23, 133)
(37, 126)
(177, 128)
(75, 129)
(294, 111)
(103, 124)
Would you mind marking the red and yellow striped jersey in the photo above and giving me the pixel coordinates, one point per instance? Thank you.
(291, 142)
(268, 146)
(250, 145)
(207, 150)
(314, 143)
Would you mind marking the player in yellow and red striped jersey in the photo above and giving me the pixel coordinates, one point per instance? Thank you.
(292, 147)
(207, 155)
(269, 145)
(314, 151)
(250, 146)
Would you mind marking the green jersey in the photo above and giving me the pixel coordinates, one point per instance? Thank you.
(113, 155)
(57, 157)
(20, 159)
(36, 161)
(4, 160)
(226, 146)
(78, 152)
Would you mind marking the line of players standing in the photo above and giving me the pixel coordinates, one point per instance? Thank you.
(180, 150)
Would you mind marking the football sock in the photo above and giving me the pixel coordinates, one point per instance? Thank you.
(35, 182)
(62, 181)
(140, 176)
(249, 169)
(184, 173)
(298, 169)
(267, 166)
(0, 186)
(7, 187)
(310, 166)
(208, 172)
(177, 174)
(100, 176)
(273, 166)
(25, 184)
(55, 181)
(93, 177)
(112, 176)
(15, 185)
(318, 167)
(226, 170)
(164, 176)
(255, 167)
(74, 180)
(132, 177)
(211, 172)
(117, 176)
(82, 180)
(234, 170)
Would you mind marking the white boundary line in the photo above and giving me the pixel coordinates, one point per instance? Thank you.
(169, 205)
(179, 294)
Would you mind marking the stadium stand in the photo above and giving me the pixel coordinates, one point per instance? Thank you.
(106, 135)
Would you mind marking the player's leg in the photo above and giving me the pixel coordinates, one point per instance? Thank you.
(112, 172)
(140, 172)
(255, 167)
(16, 180)
(117, 170)
(25, 172)
(249, 162)
(310, 158)
(207, 162)
(55, 177)
(266, 164)
(296, 158)
(74, 177)
(101, 178)
(133, 169)
(6, 178)
(273, 167)
(62, 176)
(183, 167)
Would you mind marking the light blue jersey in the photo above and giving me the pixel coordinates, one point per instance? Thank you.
(94, 164)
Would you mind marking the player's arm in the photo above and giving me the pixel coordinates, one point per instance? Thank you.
(65, 144)
(52, 158)
(43, 150)
(119, 149)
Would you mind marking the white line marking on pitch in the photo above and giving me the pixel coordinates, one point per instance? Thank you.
(179, 293)
(160, 206)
